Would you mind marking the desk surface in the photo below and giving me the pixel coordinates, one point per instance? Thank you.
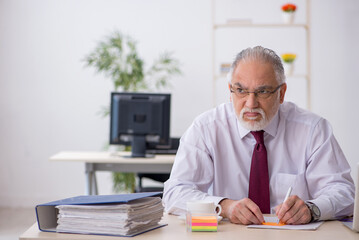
(331, 230)
(114, 162)
(110, 157)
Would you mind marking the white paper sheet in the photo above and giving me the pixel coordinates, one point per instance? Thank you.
(309, 226)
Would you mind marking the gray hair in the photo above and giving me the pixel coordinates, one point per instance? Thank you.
(261, 54)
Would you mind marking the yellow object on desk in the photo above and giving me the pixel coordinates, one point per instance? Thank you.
(202, 222)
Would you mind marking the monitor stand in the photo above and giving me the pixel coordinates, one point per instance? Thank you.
(138, 147)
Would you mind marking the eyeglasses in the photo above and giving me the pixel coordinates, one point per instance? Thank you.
(261, 93)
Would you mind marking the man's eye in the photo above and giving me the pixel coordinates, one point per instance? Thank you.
(240, 90)
(263, 91)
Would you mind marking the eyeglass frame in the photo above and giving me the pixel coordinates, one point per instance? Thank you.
(256, 92)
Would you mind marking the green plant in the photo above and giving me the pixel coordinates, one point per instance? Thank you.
(117, 58)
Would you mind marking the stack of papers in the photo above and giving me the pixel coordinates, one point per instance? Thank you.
(126, 219)
(203, 224)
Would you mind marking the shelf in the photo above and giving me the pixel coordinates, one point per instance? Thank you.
(259, 25)
(298, 76)
(240, 24)
(221, 76)
(247, 24)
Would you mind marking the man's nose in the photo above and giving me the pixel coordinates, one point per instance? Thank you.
(252, 101)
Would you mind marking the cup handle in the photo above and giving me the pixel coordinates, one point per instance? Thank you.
(219, 209)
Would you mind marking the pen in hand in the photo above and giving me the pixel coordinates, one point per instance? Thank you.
(288, 194)
(286, 197)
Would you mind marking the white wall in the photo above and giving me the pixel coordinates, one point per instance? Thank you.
(336, 72)
(49, 101)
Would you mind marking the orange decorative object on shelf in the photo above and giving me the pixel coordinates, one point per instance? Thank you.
(289, 7)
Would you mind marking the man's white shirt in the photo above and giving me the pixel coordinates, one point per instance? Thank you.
(214, 158)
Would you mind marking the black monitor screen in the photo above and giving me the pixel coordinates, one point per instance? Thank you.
(138, 119)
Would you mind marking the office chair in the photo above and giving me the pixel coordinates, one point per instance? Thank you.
(159, 177)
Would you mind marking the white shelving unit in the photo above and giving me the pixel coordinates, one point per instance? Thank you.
(248, 25)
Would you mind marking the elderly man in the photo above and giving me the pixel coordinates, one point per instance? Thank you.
(246, 154)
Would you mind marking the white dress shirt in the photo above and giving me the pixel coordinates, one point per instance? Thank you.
(214, 159)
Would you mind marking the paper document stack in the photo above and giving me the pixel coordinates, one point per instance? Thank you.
(126, 219)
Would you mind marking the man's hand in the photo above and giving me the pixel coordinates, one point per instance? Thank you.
(243, 211)
(293, 211)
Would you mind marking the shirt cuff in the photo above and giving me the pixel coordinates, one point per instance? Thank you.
(325, 208)
(214, 199)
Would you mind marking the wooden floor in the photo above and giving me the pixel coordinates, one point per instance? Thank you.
(13, 222)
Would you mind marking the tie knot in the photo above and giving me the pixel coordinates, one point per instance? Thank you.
(258, 135)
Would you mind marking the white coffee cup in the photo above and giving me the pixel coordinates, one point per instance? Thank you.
(203, 206)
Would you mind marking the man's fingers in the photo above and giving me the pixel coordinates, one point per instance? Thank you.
(244, 211)
(294, 211)
(256, 212)
(302, 215)
(277, 208)
(235, 219)
(286, 206)
(250, 215)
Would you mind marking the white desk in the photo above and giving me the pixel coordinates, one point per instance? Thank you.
(106, 161)
(176, 230)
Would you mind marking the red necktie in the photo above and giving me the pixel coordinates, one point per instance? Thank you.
(259, 177)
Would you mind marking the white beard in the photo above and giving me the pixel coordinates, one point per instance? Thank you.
(253, 125)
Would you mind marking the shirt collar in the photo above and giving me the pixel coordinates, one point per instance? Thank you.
(271, 128)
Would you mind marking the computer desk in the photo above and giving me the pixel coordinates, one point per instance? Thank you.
(115, 162)
(176, 230)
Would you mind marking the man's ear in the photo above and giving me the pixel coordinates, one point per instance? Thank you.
(230, 95)
(283, 89)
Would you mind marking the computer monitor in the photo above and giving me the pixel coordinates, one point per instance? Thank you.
(139, 119)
